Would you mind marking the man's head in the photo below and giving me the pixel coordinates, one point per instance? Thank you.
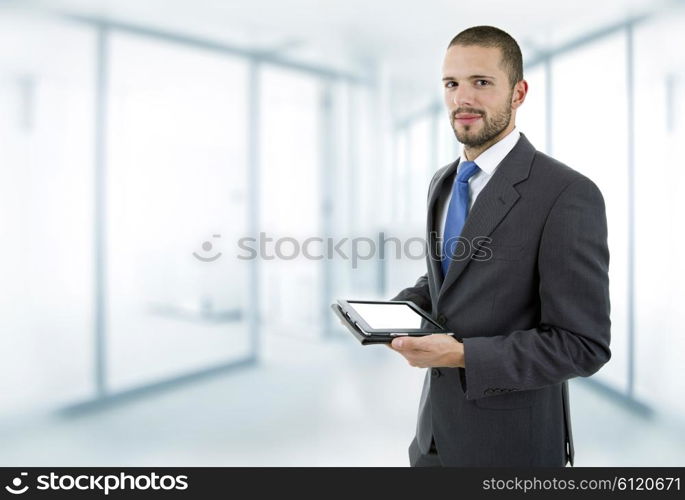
(483, 85)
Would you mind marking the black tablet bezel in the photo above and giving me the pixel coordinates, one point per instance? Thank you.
(347, 307)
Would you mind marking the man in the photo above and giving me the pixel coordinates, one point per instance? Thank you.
(522, 280)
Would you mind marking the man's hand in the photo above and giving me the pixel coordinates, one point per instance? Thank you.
(436, 350)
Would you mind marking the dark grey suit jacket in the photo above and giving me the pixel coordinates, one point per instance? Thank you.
(531, 304)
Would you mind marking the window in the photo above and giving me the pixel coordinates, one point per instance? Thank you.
(589, 133)
(531, 117)
(290, 200)
(659, 228)
(46, 212)
(176, 176)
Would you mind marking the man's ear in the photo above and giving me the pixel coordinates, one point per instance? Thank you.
(519, 93)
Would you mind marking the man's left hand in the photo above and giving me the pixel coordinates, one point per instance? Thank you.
(436, 350)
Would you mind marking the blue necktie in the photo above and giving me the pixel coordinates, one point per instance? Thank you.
(457, 212)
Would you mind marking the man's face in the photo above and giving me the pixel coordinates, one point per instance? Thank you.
(477, 92)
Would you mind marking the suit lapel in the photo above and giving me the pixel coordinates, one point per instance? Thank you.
(440, 188)
(492, 205)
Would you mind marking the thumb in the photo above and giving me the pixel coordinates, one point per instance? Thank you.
(403, 343)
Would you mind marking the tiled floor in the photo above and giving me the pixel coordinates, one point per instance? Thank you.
(308, 403)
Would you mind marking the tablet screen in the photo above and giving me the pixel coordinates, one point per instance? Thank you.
(385, 316)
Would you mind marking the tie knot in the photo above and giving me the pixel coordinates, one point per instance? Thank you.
(467, 170)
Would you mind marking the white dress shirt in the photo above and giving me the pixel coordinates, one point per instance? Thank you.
(487, 161)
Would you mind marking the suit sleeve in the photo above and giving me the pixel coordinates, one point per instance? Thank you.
(418, 294)
(573, 335)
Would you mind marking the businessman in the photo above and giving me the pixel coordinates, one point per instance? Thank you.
(517, 267)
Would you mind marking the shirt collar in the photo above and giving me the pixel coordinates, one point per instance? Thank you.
(488, 160)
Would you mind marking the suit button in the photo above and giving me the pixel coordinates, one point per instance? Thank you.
(435, 373)
(441, 318)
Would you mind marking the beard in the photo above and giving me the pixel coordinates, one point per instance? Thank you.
(492, 126)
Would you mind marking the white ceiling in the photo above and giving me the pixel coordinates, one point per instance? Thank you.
(408, 36)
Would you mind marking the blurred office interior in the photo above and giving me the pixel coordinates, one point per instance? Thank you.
(140, 141)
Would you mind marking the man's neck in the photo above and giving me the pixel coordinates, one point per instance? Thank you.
(473, 153)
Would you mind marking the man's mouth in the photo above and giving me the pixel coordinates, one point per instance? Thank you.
(466, 118)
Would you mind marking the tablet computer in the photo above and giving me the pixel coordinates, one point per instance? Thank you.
(390, 318)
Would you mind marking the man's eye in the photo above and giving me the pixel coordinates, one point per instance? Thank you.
(448, 84)
(485, 83)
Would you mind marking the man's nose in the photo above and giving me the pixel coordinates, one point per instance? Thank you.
(463, 96)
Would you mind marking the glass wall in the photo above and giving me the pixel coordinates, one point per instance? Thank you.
(531, 117)
(590, 134)
(177, 199)
(290, 202)
(659, 230)
(46, 212)
(370, 197)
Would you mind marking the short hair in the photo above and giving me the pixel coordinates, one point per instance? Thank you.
(489, 36)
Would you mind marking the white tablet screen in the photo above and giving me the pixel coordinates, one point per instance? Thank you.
(383, 316)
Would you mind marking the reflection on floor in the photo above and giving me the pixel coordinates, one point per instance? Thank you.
(308, 403)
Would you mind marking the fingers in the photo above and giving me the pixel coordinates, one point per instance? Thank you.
(410, 349)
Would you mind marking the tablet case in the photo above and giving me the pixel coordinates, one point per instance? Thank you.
(364, 339)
